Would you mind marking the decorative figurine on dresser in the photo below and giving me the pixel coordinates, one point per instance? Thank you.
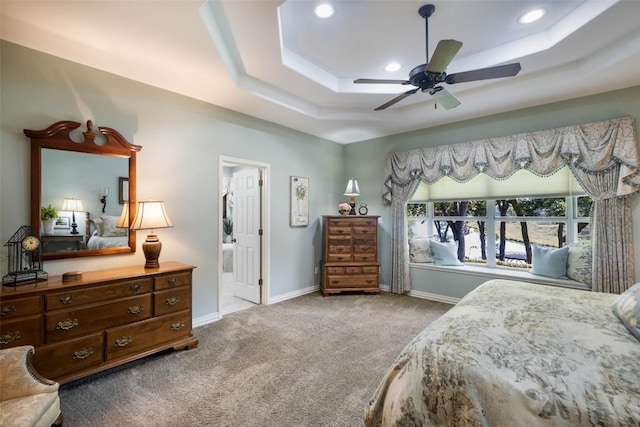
(350, 254)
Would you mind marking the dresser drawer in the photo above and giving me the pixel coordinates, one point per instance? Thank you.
(172, 281)
(339, 249)
(365, 248)
(365, 257)
(56, 360)
(352, 220)
(66, 324)
(171, 300)
(353, 269)
(355, 281)
(370, 232)
(22, 331)
(339, 257)
(130, 339)
(77, 297)
(15, 307)
(339, 231)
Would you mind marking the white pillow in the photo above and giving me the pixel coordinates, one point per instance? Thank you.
(445, 253)
(99, 226)
(420, 250)
(579, 262)
(109, 226)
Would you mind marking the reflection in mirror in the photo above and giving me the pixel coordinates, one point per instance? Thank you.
(93, 179)
(80, 175)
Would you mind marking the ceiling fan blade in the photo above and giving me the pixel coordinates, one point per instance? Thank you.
(506, 70)
(396, 99)
(444, 98)
(443, 55)
(381, 81)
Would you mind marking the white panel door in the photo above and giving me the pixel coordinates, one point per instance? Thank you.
(246, 228)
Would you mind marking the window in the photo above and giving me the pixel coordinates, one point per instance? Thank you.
(500, 232)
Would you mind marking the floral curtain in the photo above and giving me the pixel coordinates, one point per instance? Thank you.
(603, 157)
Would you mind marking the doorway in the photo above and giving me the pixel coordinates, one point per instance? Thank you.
(243, 256)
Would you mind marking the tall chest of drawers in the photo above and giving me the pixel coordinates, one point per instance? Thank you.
(350, 254)
(105, 319)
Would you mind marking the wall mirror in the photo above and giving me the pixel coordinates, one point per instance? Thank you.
(89, 179)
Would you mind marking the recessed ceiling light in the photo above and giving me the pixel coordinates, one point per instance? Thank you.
(392, 66)
(532, 16)
(324, 10)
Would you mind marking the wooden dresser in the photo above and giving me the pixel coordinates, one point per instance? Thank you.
(104, 319)
(350, 254)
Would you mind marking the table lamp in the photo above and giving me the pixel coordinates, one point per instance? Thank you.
(149, 216)
(352, 191)
(73, 205)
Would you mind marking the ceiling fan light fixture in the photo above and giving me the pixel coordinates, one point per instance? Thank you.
(324, 10)
(532, 16)
(392, 66)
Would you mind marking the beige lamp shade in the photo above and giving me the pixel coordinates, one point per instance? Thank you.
(352, 188)
(123, 221)
(72, 205)
(150, 215)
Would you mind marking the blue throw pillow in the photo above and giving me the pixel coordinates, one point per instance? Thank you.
(445, 253)
(627, 309)
(549, 262)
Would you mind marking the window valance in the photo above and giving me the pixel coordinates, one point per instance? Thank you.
(603, 157)
(591, 148)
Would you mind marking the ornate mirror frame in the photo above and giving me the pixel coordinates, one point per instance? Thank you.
(57, 137)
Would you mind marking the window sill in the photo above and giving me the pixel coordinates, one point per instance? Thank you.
(500, 273)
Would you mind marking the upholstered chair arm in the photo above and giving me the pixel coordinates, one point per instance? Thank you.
(19, 379)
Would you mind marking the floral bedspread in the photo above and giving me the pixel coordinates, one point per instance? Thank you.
(516, 354)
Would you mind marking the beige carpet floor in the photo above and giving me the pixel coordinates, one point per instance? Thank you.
(309, 361)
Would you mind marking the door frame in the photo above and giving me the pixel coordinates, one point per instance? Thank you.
(265, 258)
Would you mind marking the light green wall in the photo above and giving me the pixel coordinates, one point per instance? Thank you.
(181, 141)
(366, 160)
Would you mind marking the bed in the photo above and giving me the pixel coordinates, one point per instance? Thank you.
(517, 354)
(106, 233)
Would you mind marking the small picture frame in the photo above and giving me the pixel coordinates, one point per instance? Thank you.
(123, 190)
(62, 222)
(299, 189)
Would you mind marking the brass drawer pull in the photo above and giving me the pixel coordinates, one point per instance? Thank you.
(134, 288)
(172, 301)
(83, 354)
(68, 299)
(9, 337)
(369, 281)
(177, 326)
(136, 309)
(123, 342)
(8, 309)
(339, 231)
(67, 324)
(172, 281)
(335, 282)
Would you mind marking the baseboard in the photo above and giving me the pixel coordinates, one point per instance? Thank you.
(205, 320)
(433, 297)
(293, 294)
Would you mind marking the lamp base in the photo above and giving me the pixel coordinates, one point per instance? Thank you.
(352, 203)
(151, 248)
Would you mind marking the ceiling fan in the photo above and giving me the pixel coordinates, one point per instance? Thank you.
(428, 76)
